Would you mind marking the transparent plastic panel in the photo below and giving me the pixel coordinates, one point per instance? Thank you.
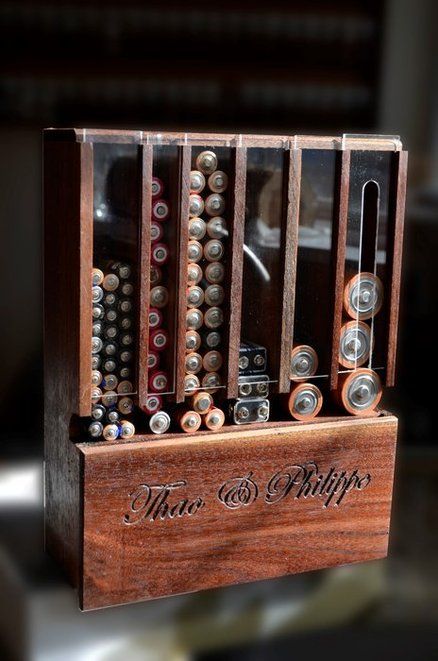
(366, 272)
(208, 286)
(313, 302)
(262, 268)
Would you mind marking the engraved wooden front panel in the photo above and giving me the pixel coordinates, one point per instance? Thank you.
(185, 514)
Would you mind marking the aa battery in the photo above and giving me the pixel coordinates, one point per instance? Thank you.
(214, 419)
(109, 365)
(214, 295)
(304, 362)
(157, 187)
(217, 228)
(197, 229)
(157, 381)
(188, 420)
(112, 415)
(97, 328)
(155, 275)
(197, 181)
(110, 332)
(158, 339)
(212, 361)
(126, 356)
(159, 254)
(194, 251)
(109, 398)
(193, 363)
(125, 372)
(122, 270)
(111, 315)
(201, 402)
(157, 231)
(127, 288)
(218, 182)
(126, 339)
(127, 429)
(96, 294)
(160, 210)
(95, 429)
(96, 362)
(111, 432)
(215, 204)
(304, 401)
(194, 319)
(196, 205)
(98, 312)
(98, 412)
(110, 299)
(96, 378)
(153, 359)
(110, 382)
(355, 344)
(363, 296)
(213, 318)
(159, 422)
(159, 296)
(96, 277)
(194, 274)
(155, 318)
(211, 381)
(109, 349)
(194, 296)
(96, 345)
(153, 404)
(191, 383)
(125, 405)
(125, 387)
(213, 250)
(125, 305)
(206, 162)
(110, 282)
(212, 339)
(193, 341)
(215, 273)
(359, 392)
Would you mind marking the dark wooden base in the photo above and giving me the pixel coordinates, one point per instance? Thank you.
(186, 513)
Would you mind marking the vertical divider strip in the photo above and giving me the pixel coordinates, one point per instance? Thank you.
(395, 231)
(185, 160)
(144, 261)
(235, 271)
(339, 243)
(290, 251)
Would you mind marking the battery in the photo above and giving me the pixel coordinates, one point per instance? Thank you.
(252, 358)
(112, 415)
(197, 229)
(153, 359)
(193, 341)
(354, 344)
(96, 294)
(111, 315)
(217, 228)
(96, 277)
(194, 274)
(206, 162)
(157, 187)
(127, 288)
(109, 398)
(125, 372)
(155, 318)
(247, 411)
(212, 339)
(125, 387)
(157, 231)
(215, 204)
(111, 431)
(215, 273)
(194, 296)
(110, 382)
(189, 421)
(197, 181)
(125, 405)
(253, 386)
(125, 323)
(96, 345)
(159, 423)
(211, 381)
(95, 429)
(212, 361)
(109, 365)
(126, 339)
(304, 362)
(193, 363)
(126, 356)
(110, 299)
(191, 383)
(127, 429)
(97, 328)
(218, 181)
(213, 318)
(214, 419)
(213, 250)
(201, 402)
(96, 394)
(96, 378)
(214, 295)
(122, 270)
(98, 312)
(153, 404)
(157, 381)
(125, 305)
(158, 339)
(363, 296)
(155, 275)
(359, 392)
(96, 362)
(111, 332)
(304, 401)
(160, 210)
(109, 349)
(110, 282)
(194, 319)
(194, 251)
(98, 412)
(159, 254)
(196, 205)
(159, 296)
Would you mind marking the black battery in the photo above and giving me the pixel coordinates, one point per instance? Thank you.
(253, 359)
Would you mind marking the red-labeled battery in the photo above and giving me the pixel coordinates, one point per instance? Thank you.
(155, 318)
(158, 381)
(157, 187)
(160, 210)
(158, 339)
(153, 404)
(159, 254)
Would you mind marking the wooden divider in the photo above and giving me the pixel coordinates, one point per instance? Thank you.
(292, 181)
(339, 241)
(144, 263)
(185, 159)
(395, 229)
(235, 270)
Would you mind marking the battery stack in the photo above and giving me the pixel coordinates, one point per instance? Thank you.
(205, 293)
(112, 353)
(158, 380)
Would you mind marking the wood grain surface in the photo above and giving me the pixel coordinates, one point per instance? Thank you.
(240, 507)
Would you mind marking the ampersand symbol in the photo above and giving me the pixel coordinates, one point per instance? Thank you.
(238, 491)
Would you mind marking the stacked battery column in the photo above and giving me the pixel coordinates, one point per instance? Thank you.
(205, 293)
(158, 380)
(112, 352)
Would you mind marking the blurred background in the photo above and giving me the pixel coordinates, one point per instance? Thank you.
(293, 67)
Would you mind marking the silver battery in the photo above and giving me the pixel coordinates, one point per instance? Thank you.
(127, 289)
(109, 365)
(195, 296)
(214, 295)
(194, 319)
(197, 181)
(96, 294)
(96, 378)
(212, 339)
(194, 251)
(98, 412)
(363, 391)
(126, 339)
(213, 318)
(98, 312)
(253, 386)
(127, 429)
(111, 332)
(191, 383)
(97, 328)
(196, 205)
(96, 345)
(304, 362)
(217, 228)
(96, 362)
(247, 411)
(111, 315)
(213, 250)
(215, 204)
(125, 305)
(159, 423)
(193, 363)
(215, 273)
(95, 429)
(197, 229)
(159, 296)
(206, 162)
(110, 382)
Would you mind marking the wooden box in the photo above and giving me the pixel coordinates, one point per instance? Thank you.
(155, 515)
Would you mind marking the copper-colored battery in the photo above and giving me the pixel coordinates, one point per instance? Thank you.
(214, 204)
(215, 273)
(193, 341)
(96, 277)
(304, 401)
(359, 392)
(212, 361)
(127, 429)
(206, 162)
(214, 419)
(194, 274)
(189, 420)
(304, 362)
(213, 250)
(201, 402)
(197, 228)
(217, 228)
(211, 381)
(363, 296)
(218, 181)
(110, 282)
(191, 383)
(194, 296)
(354, 344)
(193, 363)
